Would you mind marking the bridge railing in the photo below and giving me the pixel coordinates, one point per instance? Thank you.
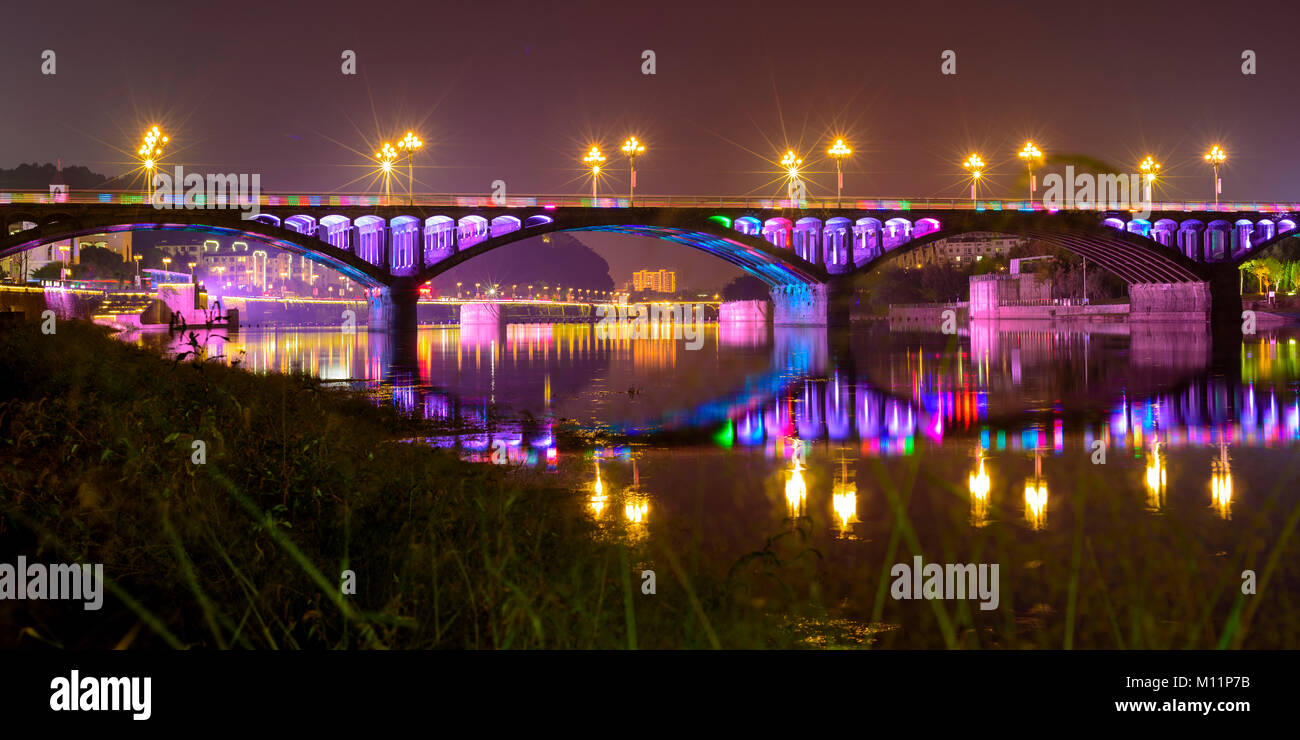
(329, 200)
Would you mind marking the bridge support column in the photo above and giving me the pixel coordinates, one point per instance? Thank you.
(812, 304)
(1216, 303)
(1179, 302)
(394, 309)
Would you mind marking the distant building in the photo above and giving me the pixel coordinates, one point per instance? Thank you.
(659, 281)
(965, 248)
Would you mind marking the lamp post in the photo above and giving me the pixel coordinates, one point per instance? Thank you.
(839, 150)
(975, 165)
(385, 156)
(631, 148)
(791, 162)
(1150, 168)
(150, 151)
(1031, 154)
(593, 160)
(410, 144)
(1216, 156)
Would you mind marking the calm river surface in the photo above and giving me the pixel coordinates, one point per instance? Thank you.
(1103, 467)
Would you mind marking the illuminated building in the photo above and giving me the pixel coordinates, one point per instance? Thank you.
(660, 281)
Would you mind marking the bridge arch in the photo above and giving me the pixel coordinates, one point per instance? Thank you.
(1107, 242)
(773, 264)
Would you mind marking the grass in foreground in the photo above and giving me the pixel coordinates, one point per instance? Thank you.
(300, 484)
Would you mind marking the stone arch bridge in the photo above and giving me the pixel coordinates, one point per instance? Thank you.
(806, 252)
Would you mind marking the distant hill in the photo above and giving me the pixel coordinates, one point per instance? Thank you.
(37, 177)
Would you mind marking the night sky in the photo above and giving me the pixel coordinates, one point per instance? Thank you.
(518, 92)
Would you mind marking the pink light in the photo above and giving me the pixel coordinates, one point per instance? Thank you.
(549, 206)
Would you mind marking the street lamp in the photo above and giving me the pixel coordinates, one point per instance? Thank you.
(593, 160)
(631, 148)
(1150, 167)
(975, 165)
(839, 151)
(410, 144)
(791, 163)
(385, 156)
(1031, 154)
(150, 151)
(1216, 156)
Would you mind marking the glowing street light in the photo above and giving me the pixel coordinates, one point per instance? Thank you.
(410, 144)
(1031, 154)
(839, 150)
(385, 156)
(1150, 167)
(631, 148)
(975, 165)
(150, 151)
(791, 163)
(593, 160)
(1216, 156)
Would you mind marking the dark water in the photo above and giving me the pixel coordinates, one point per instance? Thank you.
(1138, 457)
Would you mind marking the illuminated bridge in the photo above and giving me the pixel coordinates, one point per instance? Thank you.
(1179, 258)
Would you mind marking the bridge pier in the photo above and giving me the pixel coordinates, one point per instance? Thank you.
(812, 304)
(394, 308)
(1216, 302)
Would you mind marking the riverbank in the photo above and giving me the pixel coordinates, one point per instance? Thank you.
(299, 484)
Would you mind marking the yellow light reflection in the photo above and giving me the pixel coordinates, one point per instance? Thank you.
(796, 490)
(979, 494)
(1221, 483)
(1156, 478)
(844, 500)
(636, 511)
(598, 496)
(1036, 504)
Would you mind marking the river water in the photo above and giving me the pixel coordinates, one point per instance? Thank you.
(1121, 477)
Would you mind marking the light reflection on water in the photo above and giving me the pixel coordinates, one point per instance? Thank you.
(760, 427)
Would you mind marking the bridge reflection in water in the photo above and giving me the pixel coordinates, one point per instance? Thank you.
(816, 404)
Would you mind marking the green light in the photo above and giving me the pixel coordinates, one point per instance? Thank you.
(722, 220)
(1002, 440)
(726, 436)
(909, 446)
